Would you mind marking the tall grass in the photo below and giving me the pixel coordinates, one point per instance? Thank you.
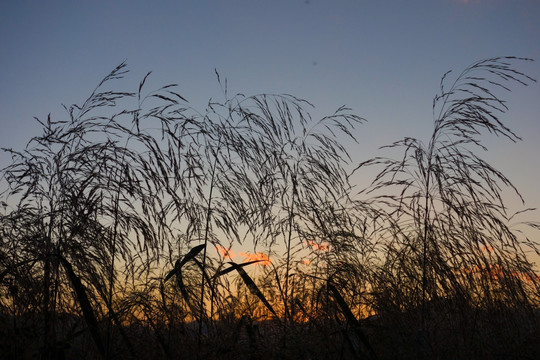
(111, 217)
(448, 235)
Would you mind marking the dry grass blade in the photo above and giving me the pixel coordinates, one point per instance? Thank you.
(232, 268)
(179, 263)
(177, 271)
(85, 305)
(253, 288)
(352, 320)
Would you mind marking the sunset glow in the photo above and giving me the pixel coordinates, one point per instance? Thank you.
(487, 248)
(229, 254)
(264, 259)
(496, 272)
(324, 246)
(226, 253)
(270, 180)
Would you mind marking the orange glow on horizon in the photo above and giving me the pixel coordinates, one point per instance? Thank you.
(496, 272)
(226, 253)
(319, 247)
(264, 259)
(487, 248)
(229, 254)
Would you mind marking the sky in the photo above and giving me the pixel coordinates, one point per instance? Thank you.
(383, 59)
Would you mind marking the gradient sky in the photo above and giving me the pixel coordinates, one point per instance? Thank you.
(382, 58)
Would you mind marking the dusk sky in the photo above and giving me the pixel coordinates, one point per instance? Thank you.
(384, 59)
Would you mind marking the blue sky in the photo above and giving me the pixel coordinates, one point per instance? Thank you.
(384, 59)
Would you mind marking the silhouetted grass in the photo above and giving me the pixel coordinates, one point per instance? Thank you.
(109, 219)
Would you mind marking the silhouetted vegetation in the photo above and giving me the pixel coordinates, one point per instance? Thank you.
(117, 225)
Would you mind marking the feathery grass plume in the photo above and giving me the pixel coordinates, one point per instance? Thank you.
(445, 203)
(295, 161)
(77, 191)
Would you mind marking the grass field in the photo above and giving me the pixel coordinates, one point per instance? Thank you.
(119, 224)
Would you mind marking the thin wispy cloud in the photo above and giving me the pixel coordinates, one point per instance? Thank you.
(226, 253)
(262, 257)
